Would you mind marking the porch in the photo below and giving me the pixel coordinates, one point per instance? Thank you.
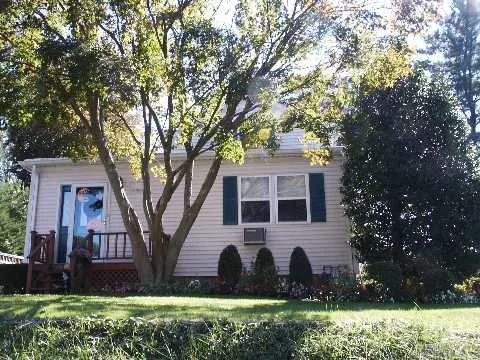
(110, 263)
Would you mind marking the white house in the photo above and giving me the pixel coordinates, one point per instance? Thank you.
(281, 197)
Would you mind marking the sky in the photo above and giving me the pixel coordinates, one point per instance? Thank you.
(224, 12)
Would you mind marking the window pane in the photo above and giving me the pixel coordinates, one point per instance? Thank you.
(255, 211)
(66, 195)
(291, 186)
(88, 215)
(64, 222)
(255, 188)
(292, 210)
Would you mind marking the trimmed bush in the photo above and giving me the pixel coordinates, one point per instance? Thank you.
(300, 267)
(230, 267)
(263, 260)
(265, 275)
(436, 280)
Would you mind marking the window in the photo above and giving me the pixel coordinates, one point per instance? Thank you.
(65, 201)
(291, 198)
(255, 199)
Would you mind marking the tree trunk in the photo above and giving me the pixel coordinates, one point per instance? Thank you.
(396, 231)
(172, 247)
(129, 216)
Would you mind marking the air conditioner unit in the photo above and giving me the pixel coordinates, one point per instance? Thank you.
(254, 236)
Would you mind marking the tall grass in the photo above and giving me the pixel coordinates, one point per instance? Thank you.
(142, 339)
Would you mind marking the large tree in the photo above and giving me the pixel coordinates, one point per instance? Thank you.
(13, 215)
(456, 50)
(145, 79)
(33, 139)
(30, 118)
(411, 186)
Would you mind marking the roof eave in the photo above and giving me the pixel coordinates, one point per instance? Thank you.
(255, 153)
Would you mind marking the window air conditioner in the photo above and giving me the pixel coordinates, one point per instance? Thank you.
(254, 236)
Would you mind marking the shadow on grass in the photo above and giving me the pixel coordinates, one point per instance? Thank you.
(190, 308)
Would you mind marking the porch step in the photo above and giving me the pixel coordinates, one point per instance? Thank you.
(49, 279)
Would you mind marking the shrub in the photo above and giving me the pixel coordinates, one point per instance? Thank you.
(468, 291)
(469, 285)
(12, 278)
(436, 280)
(230, 267)
(265, 276)
(388, 274)
(300, 267)
(431, 279)
(263, 260)
(176, 287)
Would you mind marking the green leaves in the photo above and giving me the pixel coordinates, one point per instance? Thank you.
(13, 215)
(147, 79)
(409, 184)
(232, 149)
(456, 52)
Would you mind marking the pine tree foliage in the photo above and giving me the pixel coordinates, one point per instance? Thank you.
(456, 46)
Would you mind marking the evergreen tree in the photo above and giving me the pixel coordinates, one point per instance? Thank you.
(457, 48)
(410, 185)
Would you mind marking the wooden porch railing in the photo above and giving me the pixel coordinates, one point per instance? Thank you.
(10, 259)
(113, 245)
(42, 251)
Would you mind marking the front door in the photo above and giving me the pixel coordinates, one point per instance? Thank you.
(88, 215)
(82, 207)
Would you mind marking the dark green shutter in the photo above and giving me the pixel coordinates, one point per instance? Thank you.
(318, 210)
(230, 206)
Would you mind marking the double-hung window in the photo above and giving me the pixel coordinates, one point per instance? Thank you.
(255, 199)
(291, 198)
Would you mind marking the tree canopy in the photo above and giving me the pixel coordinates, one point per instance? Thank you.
(13, 214)
(146, 79)
(456, 46)
(411, 185)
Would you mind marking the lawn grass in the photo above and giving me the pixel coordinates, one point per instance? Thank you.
(450, 317)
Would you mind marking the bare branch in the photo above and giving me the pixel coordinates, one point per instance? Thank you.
(145, 160)
(112, 36)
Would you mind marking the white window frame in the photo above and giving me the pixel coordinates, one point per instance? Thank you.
(273, 200)
(307, 200)
(270, 199)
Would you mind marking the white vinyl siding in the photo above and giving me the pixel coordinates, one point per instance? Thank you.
(325, 243)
